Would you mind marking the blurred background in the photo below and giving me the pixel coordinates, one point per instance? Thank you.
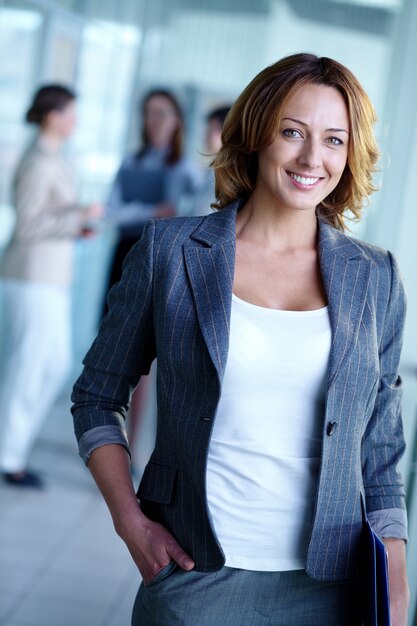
(60, 562)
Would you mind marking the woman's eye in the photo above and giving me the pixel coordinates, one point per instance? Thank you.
(335, 141)
(291, 132)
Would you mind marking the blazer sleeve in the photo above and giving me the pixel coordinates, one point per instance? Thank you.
(122, 351)
(383, 443)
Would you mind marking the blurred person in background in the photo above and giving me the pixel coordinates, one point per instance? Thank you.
(278, 339)
(36, 276)
(212, 144)
(150, 184)
(214, 128)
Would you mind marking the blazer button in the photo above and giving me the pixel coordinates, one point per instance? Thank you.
(331, 427)
(206, 419)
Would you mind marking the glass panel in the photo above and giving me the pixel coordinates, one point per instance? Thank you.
(105, 85)
(20, 35)
(61, 48)
(70, 4)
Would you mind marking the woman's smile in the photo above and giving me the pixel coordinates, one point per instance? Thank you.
(303, 181)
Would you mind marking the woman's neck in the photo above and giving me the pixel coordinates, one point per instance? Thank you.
(52, 141)
(280, 229)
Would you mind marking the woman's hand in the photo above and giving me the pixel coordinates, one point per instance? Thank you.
(94, 211)
(398, 585)
(90, 219)
(151, 546)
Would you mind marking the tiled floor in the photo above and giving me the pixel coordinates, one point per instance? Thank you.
(61, 563)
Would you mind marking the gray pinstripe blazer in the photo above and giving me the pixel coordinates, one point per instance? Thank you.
(174, 302)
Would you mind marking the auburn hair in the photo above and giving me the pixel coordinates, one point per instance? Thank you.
(254, 118)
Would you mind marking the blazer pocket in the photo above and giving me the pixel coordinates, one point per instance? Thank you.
(158, 483)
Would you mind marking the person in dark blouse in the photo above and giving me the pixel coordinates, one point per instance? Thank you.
(151, 183)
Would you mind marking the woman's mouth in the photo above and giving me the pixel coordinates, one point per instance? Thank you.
(304, 181)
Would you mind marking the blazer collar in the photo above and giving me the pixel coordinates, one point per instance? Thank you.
(334, 242)
(219, 226)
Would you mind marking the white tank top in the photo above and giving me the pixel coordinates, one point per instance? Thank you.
(265, 448)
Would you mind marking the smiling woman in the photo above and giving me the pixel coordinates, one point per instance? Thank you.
(259, 112)
(278, 340)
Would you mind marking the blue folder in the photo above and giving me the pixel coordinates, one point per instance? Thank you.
(376, 584)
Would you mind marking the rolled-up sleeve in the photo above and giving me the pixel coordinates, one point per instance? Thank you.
(122, 351)
(389, 523)
(102, 436)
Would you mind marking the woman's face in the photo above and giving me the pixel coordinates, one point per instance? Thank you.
(161, 121)
(61, 122)
(308, 155)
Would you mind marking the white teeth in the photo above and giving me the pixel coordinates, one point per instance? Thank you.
(302, 180)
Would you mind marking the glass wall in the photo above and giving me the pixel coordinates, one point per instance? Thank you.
(20, 31)
(107, 73)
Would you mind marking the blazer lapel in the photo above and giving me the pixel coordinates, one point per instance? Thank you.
(345, 271)
(210, 260)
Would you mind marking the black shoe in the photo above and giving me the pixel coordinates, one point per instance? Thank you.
(24, 479)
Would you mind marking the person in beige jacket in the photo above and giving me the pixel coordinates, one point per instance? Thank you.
(36, 276)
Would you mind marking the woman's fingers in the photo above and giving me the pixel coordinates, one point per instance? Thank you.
(153, 549)
(178, 555)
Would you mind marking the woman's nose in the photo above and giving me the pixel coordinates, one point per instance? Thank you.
(310, 155)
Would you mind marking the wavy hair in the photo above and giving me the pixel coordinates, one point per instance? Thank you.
(255, 117)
